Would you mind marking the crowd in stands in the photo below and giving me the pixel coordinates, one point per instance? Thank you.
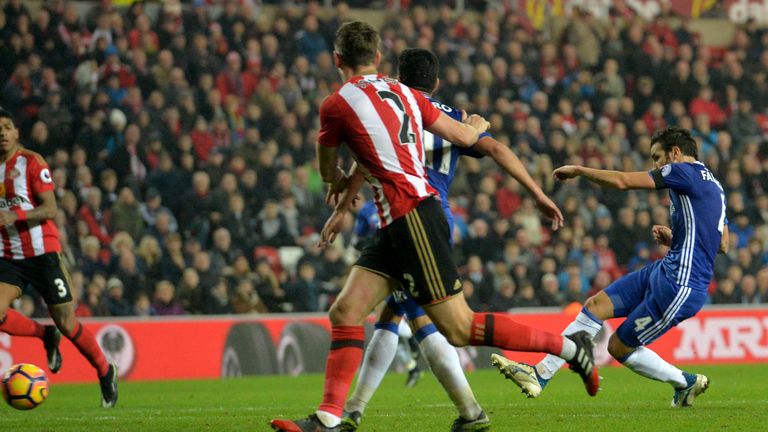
(181, 141)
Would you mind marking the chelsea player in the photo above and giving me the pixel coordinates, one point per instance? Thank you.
(664, 293)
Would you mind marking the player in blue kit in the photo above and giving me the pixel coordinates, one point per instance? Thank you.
(418, 69)
(664, 293)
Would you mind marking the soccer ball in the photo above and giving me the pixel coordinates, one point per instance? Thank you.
(24, 386)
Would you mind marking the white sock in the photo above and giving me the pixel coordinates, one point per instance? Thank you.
(552, 363)
(444, 362)
(328, 419)
(378, 357)
(647, 363)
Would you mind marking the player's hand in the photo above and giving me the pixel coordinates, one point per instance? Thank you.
(7, 218)
(478, 123)
(336, 187)
(331, 228)
(566, 172)
(549, 209)
(662, 235)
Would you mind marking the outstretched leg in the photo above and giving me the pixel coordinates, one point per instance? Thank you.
(461, 326)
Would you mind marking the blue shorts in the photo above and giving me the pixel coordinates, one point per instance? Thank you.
(652, 304)
(402, 303)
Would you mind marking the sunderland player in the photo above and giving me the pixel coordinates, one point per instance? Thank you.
(30, 255)
(418, 69)
(664, 293)
(381, 121)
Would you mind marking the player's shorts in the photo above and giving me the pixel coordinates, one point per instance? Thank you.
(401, 303)
(652, 304)
(415, 250)
(46, 273)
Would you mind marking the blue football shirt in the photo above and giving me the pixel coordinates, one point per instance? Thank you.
(698, 218)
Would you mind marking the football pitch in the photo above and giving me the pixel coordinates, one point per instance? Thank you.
(737, 400)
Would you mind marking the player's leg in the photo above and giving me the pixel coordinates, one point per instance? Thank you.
(443, 360)
(52, 281)
(16, 324)
(13, 322)
(665, 305)
(362, 291)
(425, 258)
(376, 362)
(617, 300)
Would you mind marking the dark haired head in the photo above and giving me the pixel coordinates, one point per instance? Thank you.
(356, 44)
(674, 136)
(418, 69)
(5, 114)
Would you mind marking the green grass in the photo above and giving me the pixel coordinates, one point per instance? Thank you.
(736, 401)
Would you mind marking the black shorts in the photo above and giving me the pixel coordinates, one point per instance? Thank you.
(46, 274)
(415, 250)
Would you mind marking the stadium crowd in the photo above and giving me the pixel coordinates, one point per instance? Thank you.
(181, 141)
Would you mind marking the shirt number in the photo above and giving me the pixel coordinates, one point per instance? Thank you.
(406, 136)
(721, 222)
(443, 166)
(60, 287)
(642, 323)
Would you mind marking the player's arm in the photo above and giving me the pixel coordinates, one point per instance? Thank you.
(346, 199)
(327, 158)
(608, 178)
(45, 210)
(332, 226)
(724, 241)
(329, 139)
(461, 134)
(508, 160)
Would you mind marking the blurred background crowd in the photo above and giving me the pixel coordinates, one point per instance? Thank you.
(181, 141)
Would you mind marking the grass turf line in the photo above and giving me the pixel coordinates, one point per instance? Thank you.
(736, 401)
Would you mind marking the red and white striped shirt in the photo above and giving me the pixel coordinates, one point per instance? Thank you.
(382, 122)
(22, 178)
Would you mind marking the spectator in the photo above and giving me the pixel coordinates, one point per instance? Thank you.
(303, 293)
(504, 298)
(165, 302)
(117, 304)
(126, 215)
(550, 294)
(246, 300)
(219, 301)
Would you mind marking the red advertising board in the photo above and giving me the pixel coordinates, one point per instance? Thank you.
(279, 344)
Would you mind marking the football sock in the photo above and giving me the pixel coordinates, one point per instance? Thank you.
(444, 362)
(83, 339)
(343, 360)
(501, 331)
(378, 356)
(16, 324)
(647, 363)
(584, 321)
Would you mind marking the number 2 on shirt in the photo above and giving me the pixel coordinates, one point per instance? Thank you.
(406, 136)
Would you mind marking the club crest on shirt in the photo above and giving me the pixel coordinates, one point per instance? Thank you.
(665, 170)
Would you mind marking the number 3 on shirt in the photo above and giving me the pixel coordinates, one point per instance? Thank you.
(406, 136)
